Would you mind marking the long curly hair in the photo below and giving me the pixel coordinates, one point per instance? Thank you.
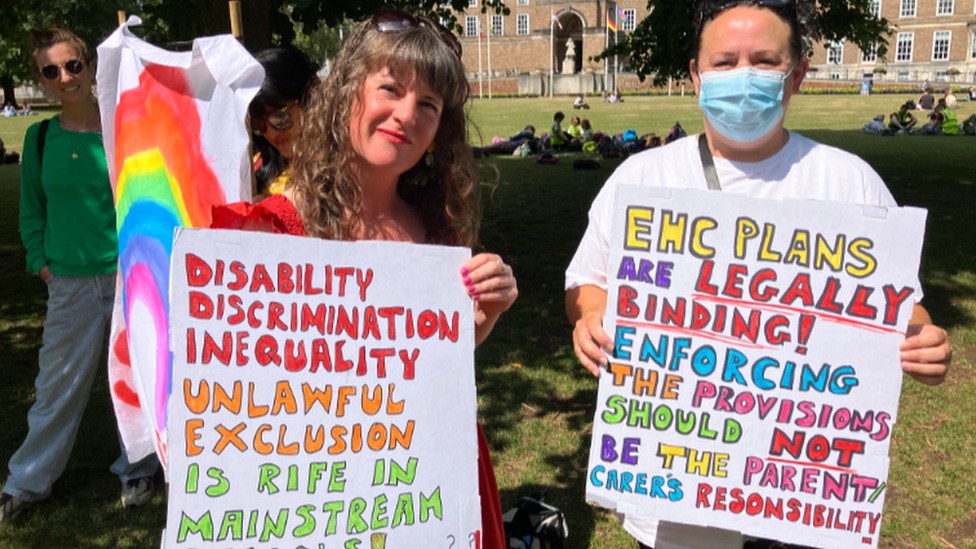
(329, 199)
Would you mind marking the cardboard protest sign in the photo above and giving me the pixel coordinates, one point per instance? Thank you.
(324, 394)
(755, 376)
(176, 145)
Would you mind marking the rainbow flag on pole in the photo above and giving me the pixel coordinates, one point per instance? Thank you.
(176, 145)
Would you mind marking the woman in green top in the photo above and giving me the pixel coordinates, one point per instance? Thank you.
(67, 223)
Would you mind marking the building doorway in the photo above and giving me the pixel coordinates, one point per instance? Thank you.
(572, 30)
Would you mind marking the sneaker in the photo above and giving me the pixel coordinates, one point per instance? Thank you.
(137, 491)
(10, 507)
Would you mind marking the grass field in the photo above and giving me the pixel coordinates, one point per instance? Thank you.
(536, 403)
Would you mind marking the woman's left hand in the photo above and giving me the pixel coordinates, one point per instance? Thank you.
(926, 353)
(491, 284)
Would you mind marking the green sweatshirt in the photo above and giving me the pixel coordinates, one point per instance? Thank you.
(67, 212)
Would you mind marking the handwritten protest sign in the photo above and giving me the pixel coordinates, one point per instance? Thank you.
(755, 376)
(323, 394)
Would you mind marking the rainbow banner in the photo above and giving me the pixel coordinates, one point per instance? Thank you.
(176, 144)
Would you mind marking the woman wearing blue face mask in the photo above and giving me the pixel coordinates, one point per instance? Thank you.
(748, 65)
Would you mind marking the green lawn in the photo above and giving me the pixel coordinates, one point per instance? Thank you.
(536, 402)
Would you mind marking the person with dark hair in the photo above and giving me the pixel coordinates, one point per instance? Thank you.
(67, 223)
(748, 63)
(557, 137)
(903, 120)
(927, 101)
(276, 114)
(383, 155)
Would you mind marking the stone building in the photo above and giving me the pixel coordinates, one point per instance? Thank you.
(932, 39)
(523, 42)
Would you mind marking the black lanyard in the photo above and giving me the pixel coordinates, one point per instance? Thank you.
(708, 164)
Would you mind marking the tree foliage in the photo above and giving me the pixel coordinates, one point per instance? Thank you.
(309, 24)
(664, 42)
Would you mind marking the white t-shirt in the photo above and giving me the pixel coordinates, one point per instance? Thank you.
(801, 169)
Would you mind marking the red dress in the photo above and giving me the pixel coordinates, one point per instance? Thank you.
(278, 215)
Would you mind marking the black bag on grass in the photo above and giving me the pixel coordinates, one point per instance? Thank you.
(586, 165)
(533, 524)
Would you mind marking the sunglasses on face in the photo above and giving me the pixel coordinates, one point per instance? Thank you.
(280, 120)
(398, 20)
(52, 72)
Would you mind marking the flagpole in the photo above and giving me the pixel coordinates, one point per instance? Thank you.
(606, 62)
(552, 49)
(616, 60)
(481, 84)
(490, 30)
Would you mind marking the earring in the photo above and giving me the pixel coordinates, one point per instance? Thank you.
(429, 157)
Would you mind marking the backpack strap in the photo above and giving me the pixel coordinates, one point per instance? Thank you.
(41, 140)
(708, 164)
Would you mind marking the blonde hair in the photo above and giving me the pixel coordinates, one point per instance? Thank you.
(330, 200)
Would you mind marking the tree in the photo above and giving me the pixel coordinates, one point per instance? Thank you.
(664, 42)
(172, 22)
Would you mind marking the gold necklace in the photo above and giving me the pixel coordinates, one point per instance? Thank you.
(74, 150)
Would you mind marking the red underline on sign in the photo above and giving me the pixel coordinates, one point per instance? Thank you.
(818, 465)
(692, 331)
(827, 317)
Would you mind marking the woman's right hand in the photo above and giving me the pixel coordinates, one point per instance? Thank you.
(591, 342)
(45, 273)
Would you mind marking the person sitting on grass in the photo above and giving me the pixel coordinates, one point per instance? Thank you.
(557, 137)
(877, 126)
(927, 101)
(580, 103)
(943, 120)
(903, 120)
(969, 125)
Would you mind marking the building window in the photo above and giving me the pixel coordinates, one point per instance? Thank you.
(904, 45)
(522, 24)
(835, 53)
(630, 22)
(835, 75)
(908, 8)
(875, 8)
(904, 76)
(941, 76)
(870, 55)
(522, 3)
(472, 3)
(497, 25)
(944, 7)
(471, 26)
(972, 53)
(940, 45)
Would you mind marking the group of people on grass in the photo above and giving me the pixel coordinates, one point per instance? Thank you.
(943, 120)
(378, 151)
(10, 110)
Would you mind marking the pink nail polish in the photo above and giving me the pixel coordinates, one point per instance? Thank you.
(467, 280)
(464, 270)
(476, 297)
(471, 289)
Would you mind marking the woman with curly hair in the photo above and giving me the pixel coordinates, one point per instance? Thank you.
(383, 155)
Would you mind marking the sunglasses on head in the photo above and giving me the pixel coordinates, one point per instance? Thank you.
(280, 120)
(710, 11)
(73, 66)
(398, 20)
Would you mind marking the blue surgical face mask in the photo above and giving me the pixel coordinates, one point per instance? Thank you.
(742, 104)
